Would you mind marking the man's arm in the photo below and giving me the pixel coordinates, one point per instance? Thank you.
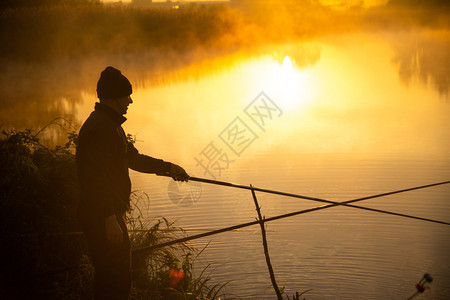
(147, 164)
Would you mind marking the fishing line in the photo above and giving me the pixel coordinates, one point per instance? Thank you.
(345, 203)
(334, 203)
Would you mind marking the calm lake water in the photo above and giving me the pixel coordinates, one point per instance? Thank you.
(339, 118)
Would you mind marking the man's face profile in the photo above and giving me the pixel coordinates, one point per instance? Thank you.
(122, 104)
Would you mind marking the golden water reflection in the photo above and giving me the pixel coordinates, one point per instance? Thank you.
(350, 99)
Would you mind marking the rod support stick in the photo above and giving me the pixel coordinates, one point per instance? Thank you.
(266, 247)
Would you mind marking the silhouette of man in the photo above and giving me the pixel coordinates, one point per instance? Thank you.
(103, 158)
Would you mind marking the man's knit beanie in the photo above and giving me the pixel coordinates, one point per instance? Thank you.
(112, 84)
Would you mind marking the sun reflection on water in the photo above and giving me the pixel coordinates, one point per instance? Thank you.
(294, 87)
(291, 87)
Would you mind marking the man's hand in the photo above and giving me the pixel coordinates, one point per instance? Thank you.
(178, 173)
(114, 233)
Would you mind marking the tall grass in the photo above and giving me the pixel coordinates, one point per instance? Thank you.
(167, 273)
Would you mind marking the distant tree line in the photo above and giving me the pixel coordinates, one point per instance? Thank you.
(42, 3)
(420, 3)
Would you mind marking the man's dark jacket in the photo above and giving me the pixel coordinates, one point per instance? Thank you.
(103, 158)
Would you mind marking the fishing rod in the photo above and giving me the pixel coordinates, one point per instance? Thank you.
(234, 227)
(333, 203)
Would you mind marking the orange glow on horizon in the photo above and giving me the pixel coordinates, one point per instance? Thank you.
(344, 4)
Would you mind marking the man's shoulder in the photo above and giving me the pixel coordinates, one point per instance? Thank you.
(96, 123)
(98, 119)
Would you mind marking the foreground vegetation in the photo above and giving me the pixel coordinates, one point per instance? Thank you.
(44, 252)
